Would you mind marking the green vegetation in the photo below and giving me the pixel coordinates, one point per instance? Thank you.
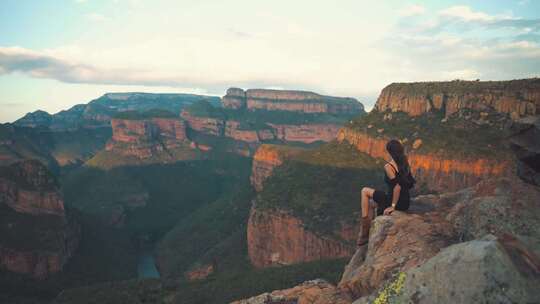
(322, 186)
(219, 289)
(390, 291)
(104, 254)
(460, 87)
(456, 137)
(112, 159)
(209, 231)
(153, 113)
(259, 119)
(172, 190)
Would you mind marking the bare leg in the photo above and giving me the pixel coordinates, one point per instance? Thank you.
(363, 236)
(366, 194)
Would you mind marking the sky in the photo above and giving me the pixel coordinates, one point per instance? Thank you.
(58, 53)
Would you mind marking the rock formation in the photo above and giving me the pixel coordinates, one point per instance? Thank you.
(266, 158)
(294, 101)
(525, 142)
(200, 272)
(144, 137)
(309, 292)
(37, 235)
(517, 98)
(488, 270)
(277, 238)
(436, 172)
(505, 207)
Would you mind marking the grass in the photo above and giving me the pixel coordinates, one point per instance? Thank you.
(111, 159)
(461, 87)
(259, 119)
(321, 186)
(153, 113)
(457, 137)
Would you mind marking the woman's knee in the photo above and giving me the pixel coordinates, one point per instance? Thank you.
(367, 191)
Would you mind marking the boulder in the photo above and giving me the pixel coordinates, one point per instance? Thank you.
(309, 292)
(397, 243)
(488, 270)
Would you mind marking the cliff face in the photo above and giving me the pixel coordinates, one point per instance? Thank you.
(144, 137)
(266, 158)
(516, 98)
(436, 172)
(285, 100)
(277, 238)
(39, 236)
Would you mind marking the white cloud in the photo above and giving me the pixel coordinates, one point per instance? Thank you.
(96, 17)
(465, 13)
(412, 10)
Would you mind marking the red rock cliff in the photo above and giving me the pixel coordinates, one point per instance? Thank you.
(516, 97)
(266, 158)
(437, 172)
(287, 100)
(41, 237)
(144, 137)
(278, 238)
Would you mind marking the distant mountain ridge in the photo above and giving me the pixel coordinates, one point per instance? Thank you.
(99, 112)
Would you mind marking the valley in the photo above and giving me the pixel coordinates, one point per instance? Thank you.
(177, 198)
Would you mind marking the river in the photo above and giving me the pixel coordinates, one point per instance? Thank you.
(146, 265)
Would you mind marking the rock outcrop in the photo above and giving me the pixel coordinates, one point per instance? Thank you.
(397, 243)
(200, 272)
(266, 158)
(37, 236)
(309, 292)
(505, 207)
(278, 238)
(488, 270)
(144, 137)
(525, 142)
(436, 172)
(28, 187)
(294, 101)
(517, 98)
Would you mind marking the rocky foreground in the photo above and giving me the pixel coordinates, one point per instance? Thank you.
(477, 244)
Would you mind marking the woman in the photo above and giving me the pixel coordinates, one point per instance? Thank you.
(398, 178)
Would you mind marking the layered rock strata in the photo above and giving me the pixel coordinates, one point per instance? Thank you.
(266, 158)
(278, 238)
(436, 172)
(38, 237)
(517, 98)
(286, 100)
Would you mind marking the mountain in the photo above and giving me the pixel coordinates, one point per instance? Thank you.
(99, 112)
(262, 116)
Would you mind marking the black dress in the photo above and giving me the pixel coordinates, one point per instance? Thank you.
(384, 200)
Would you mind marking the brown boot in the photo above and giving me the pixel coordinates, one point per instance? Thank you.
(363, 236)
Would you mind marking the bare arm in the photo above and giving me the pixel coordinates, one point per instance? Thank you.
(395, 196)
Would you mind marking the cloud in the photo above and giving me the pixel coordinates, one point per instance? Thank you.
(96, 17)
(465, 13)
(42, 65)
(412, 10)
(460, 42)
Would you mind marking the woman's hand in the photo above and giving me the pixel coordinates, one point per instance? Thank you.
(388, 210)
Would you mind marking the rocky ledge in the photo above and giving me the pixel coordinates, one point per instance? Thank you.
(266, 158)
(287, 100)
(479, 244)
(517, 98)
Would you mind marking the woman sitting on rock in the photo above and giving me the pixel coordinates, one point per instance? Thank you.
(399, 180)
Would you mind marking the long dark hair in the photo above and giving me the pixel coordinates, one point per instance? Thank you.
(396, 150)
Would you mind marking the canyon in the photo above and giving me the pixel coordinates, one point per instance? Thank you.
(38, 236)
(241, 120)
